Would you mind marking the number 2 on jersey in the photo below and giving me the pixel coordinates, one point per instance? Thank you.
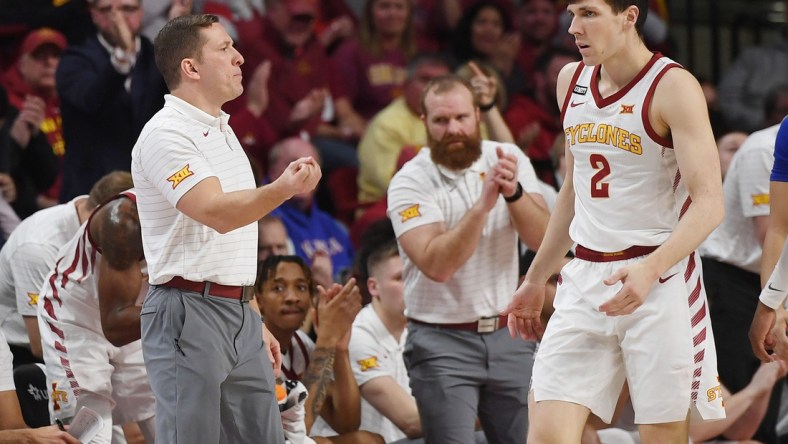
(598, 187)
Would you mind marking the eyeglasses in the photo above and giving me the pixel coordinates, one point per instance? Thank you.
(125, 9)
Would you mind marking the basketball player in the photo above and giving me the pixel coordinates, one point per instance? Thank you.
(83, 366)
(631, 305)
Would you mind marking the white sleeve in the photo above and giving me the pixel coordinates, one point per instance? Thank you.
(30, 265)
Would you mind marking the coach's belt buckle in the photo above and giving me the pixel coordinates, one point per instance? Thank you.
(487, 325)
(247, 293)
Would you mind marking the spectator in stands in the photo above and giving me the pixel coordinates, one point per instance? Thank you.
(271, 238)
(308, 96)
(29, 255)
(376, 344)
(537, 23)
(535, 119)
(486, 34)
(397, 126)
(756, 72)
(284, 291)
(373, 67)
(31, 88)
(27, 164)
(155, 13)
(109, 87)
(311, 230)
(434, 22)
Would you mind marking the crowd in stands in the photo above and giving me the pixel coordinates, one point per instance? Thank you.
(78, 81)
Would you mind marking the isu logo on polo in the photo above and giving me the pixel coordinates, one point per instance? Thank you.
(178, 177)
(368, 363)
(32, 299)
(410, 212)
(760, 199)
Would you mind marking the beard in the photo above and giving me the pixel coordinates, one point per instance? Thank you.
(456, 152)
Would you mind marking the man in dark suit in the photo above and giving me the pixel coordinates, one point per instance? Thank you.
(109, 87)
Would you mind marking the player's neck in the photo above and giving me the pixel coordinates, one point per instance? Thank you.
(83, 212)
(625, 65)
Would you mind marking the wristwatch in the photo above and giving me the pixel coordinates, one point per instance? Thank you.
(516, 196)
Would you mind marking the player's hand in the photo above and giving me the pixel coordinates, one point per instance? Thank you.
(505, 172)
(337, 308)
(524, 311)
(638, 279)
(780, 341)
(257, 90)
(48, 435)
(761, 338)
(274, 351)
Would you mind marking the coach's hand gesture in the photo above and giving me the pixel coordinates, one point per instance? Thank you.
(301, 175)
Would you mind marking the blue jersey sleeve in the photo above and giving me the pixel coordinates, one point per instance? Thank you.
(780, 169)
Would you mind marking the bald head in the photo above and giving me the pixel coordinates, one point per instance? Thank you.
(287, 151)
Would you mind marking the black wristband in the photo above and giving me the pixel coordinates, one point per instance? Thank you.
(487, 107)
(516, 196)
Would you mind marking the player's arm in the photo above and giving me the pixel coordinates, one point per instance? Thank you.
(342, 411)
(525, 309)
(30, 265)
(777, 229)
(208, 204)
(556, 242)
(680, 108)
(116, 228)
(386, 395)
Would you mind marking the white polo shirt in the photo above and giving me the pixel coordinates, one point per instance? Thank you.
(746, 191)
(375, 353)
(26, 259)
(179, 147)
(423, 193)
(6, 366)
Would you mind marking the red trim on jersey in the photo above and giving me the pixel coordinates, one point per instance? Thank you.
(53, 286)
(570, 91)
(676, 180)
(700, 337)
(60, 347)
(74, 264)
(667, 143)
(606, 101)
(697, 317)
(693, 297)
(699, 356)
(690, 267)
(56, 330)
(685, 207)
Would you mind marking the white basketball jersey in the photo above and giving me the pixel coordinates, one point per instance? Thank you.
(70, 292)
(628, 188)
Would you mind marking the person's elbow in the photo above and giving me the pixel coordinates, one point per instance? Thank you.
(36, 349)
(412, 429)
(116, 336)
